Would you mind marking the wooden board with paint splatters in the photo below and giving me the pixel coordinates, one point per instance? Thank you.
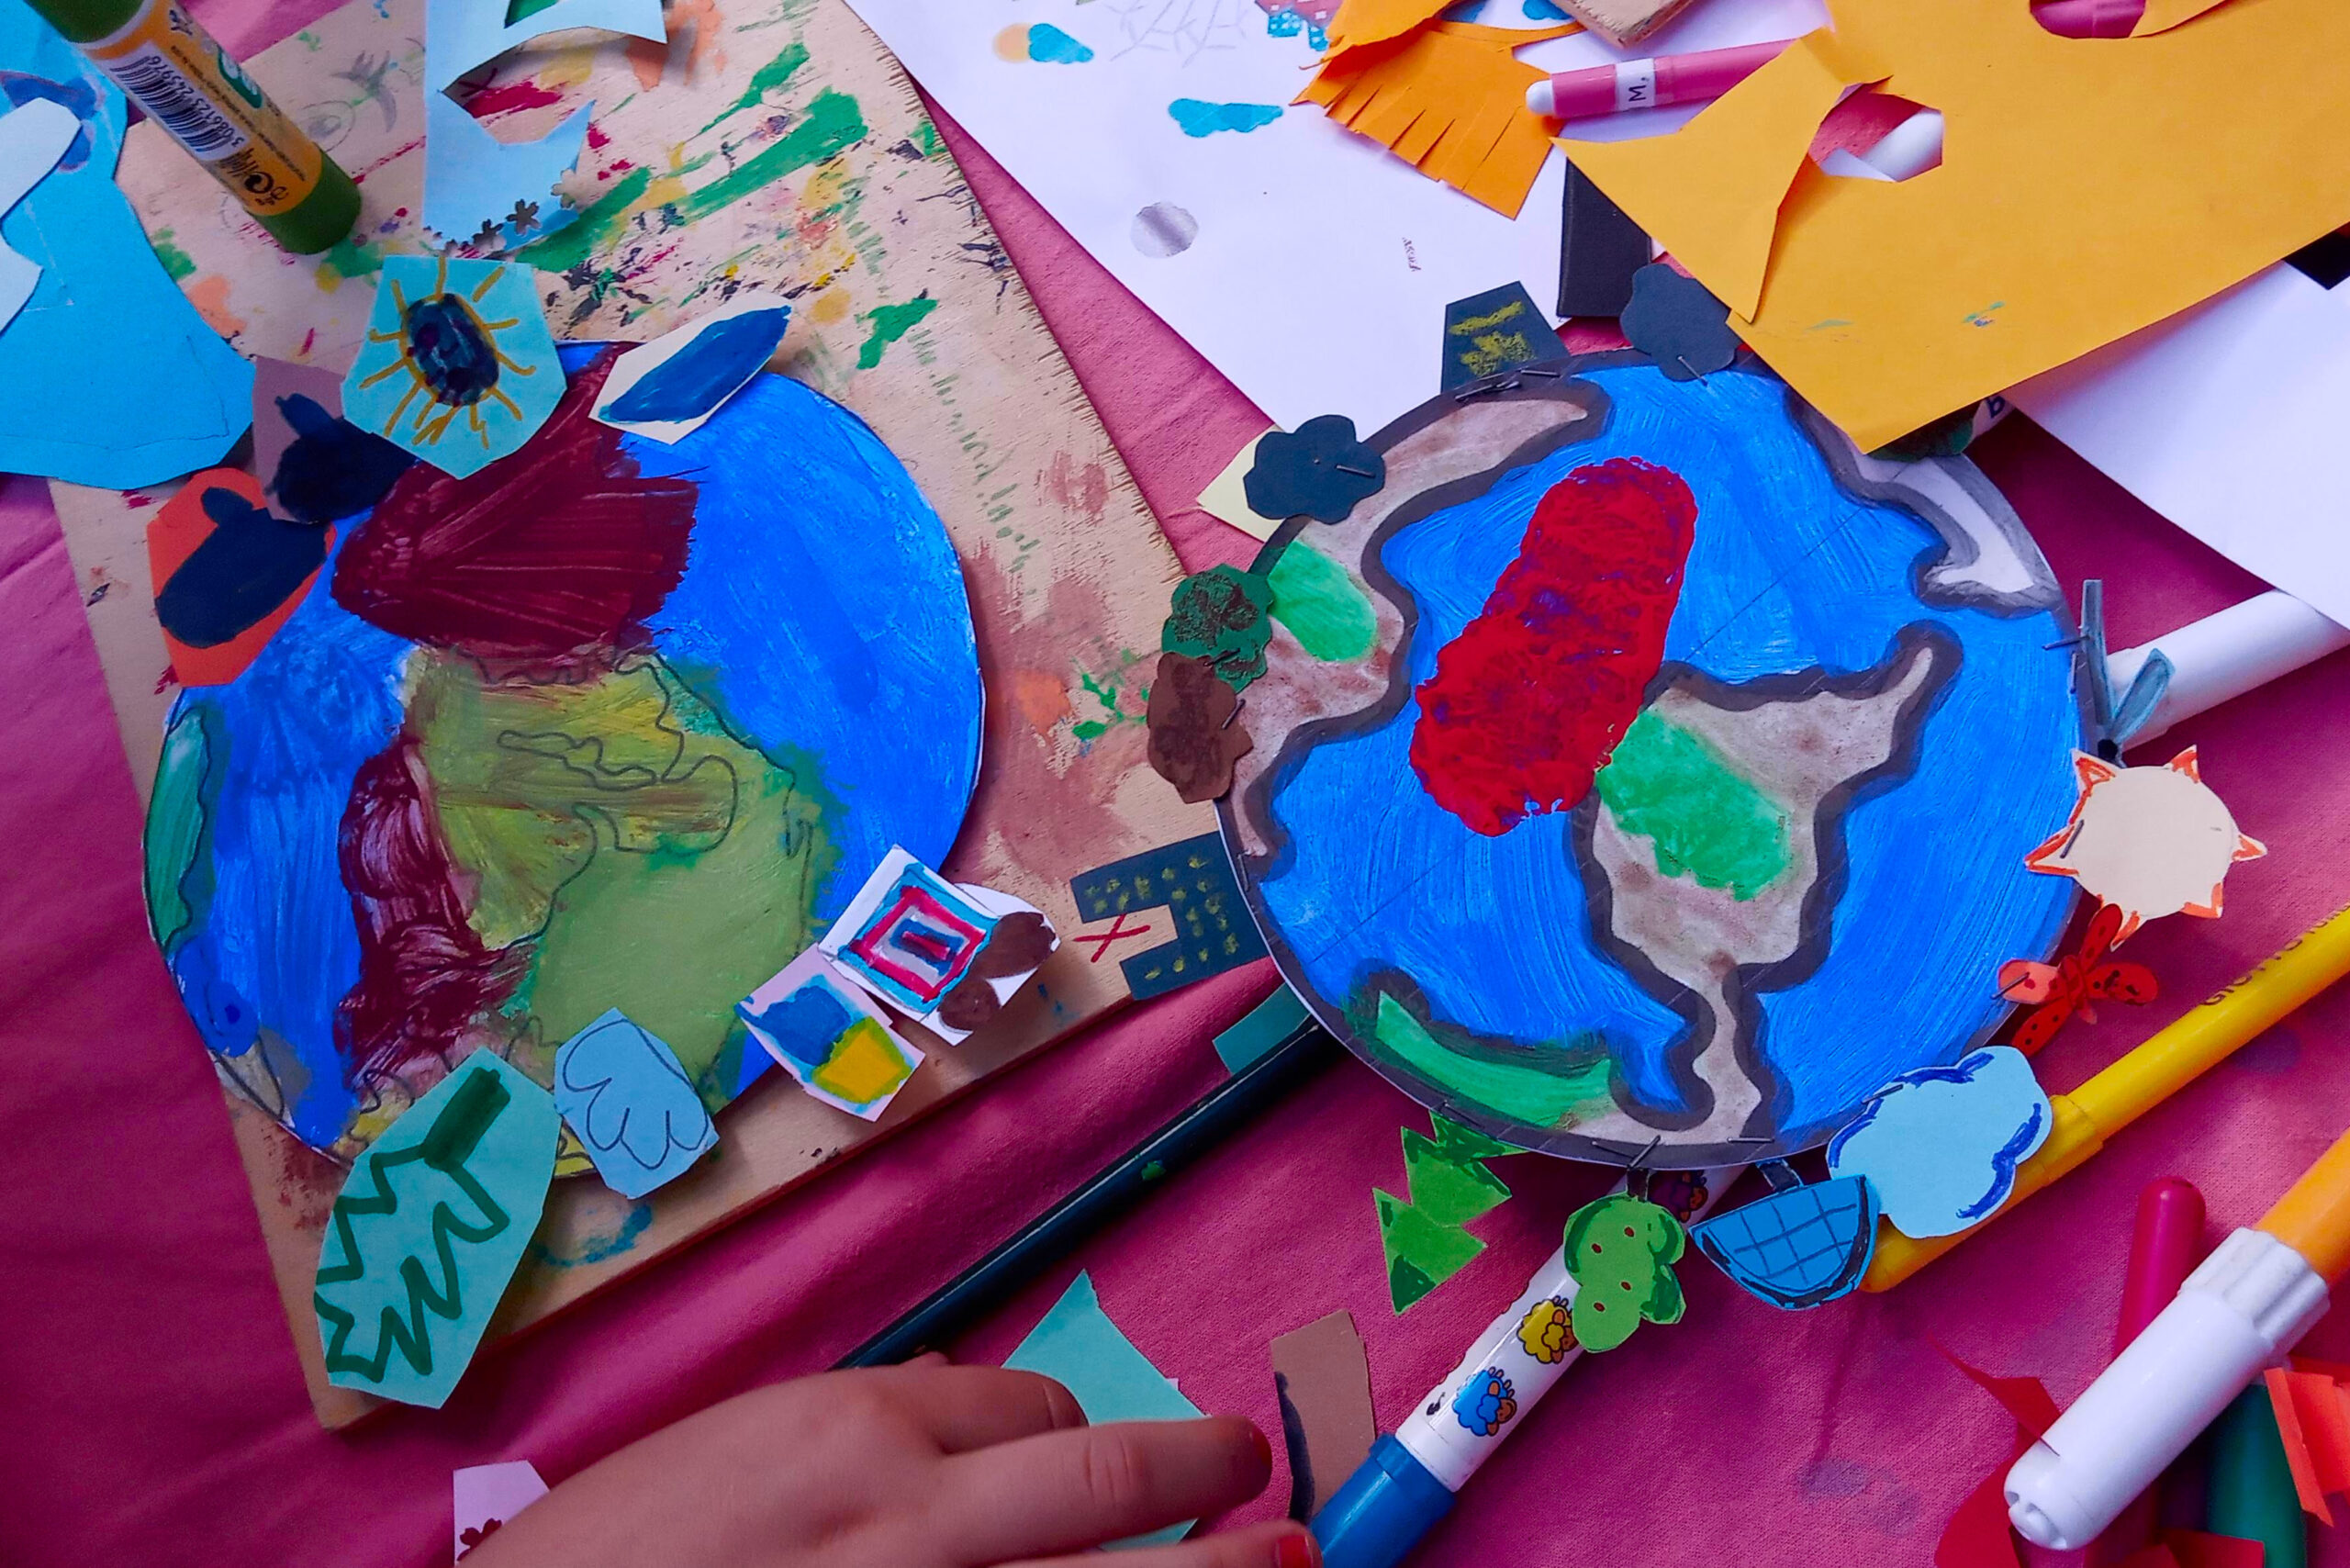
(773, 144)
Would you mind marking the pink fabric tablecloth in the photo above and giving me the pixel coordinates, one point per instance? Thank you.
(150, 1411)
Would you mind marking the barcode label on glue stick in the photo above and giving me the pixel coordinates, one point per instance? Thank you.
(191, 118)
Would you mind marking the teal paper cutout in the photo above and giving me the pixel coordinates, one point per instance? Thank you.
(1077, 1345)
(623, 1090)
(429, 1230)
(1265, 1027)
(107, 375)
(459, 367)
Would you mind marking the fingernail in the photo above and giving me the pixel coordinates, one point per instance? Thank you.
(1264, 1452)
(1296, 1550)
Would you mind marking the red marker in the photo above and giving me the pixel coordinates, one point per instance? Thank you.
(2089, 18)
(2163, 1249)
(1649, 84)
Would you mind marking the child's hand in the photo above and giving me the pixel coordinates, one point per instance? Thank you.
(921, 1466)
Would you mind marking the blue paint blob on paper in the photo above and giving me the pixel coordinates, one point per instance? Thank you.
(804, 1025)
(624, 1094)
(331, 469)
(107, 374)
(1054, 47)
(1940, 1145)
(240, 574)
(458, 367)
(691, 382)
(1544, 11)
(1077, 1345)
(1199, 118)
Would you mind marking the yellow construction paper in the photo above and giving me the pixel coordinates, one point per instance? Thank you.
(1450, 100)
(2087, 189)
(2163, 15)
(1737, 159)
(1376, 21)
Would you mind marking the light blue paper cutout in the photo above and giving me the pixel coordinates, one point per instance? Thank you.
(107, 374)
(472, 180)
(32, 139)
(622, 1091)
(462, 34)
(399, 393)
(429, 1228)
(1940, 1145)
(1077, 1345)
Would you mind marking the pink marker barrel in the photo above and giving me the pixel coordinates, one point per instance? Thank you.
(1649, 83)
(2089, 18)
(2164, 1246)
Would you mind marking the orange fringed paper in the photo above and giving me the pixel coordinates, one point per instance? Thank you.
(1450, 101)
(1376, 21)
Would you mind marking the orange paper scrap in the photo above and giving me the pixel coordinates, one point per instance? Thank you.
(2313, 1418)
(1450, 101)
(2086, 189)
(2297, 1457)
(2161, 15)
(1376, 21)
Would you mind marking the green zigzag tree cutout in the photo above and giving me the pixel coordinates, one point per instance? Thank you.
(1425, 1240)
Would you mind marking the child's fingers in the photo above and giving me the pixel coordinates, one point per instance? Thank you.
(1070, 1490)
(974, 1407)
(1280, 1543)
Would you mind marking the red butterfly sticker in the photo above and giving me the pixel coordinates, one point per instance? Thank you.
(2055, 991)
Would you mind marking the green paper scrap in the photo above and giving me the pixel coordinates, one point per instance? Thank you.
(1425, 1240)
(1077, 1345)
(1266, 1025)
(429, 1230)
(1620, 1251)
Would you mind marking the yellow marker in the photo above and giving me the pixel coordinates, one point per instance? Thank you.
(2151, 1074)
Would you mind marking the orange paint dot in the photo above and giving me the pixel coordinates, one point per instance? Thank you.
(1012, 42)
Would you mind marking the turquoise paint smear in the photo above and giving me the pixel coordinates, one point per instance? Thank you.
(1054, 47)
(1201, 118)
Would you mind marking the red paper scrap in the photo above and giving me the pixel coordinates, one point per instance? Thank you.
(1978, 1534)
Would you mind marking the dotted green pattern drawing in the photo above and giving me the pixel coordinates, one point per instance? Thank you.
(429, 1228)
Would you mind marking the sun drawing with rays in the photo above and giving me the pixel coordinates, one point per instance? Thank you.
(449, 354)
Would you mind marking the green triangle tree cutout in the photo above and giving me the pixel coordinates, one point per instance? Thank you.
(1425, 1240)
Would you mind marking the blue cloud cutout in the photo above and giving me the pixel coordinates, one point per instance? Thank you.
(1199, 118)
(1940, 1145)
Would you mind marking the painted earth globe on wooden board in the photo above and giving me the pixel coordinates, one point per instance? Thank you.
(1640, 768)
(607, 723)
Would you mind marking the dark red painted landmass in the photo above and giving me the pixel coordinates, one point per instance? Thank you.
(562, 546)
(1528, 701)
(424, 975)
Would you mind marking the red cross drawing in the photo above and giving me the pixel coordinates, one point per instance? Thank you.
(1118, 931)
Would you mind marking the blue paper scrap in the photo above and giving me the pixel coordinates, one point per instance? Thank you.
(458, 367)
(1797, 1247)
(462, 34)
(664, 390)
(623, 1091)
(473, 181)
(1077, 1345)
(107, 374)
(1940, 1145)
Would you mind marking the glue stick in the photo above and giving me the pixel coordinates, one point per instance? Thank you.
(170, 67)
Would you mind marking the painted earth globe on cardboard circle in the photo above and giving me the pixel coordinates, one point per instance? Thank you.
(609, 723)
(1642, 769)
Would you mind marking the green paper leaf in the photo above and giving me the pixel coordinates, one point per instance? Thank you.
(429, 1230)
(1620, 1250)
(1422, 1252)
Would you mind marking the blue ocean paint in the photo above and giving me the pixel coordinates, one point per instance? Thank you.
(705, 373)
(1789, 570)
(806, 1023)
(275, 944)
(1054, 47)
(1199, 118)
(800, 498)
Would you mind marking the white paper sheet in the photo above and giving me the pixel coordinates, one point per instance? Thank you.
(1318, 276)
(2228, 419)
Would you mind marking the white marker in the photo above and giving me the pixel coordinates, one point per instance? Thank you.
(2222, 657)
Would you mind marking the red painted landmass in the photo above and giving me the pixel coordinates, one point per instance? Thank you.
(1528, 703)
(424, 975)
(562, 546)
